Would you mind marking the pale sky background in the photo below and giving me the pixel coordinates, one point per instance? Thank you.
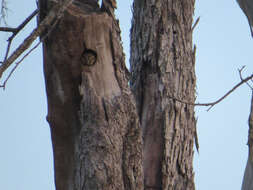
(223, 44)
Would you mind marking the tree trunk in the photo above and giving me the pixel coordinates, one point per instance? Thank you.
(162, 71)
(247, 183)
(94, 125)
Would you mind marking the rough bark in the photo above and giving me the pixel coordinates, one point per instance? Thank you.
(162, 67)
(247, 183)
(94, 125)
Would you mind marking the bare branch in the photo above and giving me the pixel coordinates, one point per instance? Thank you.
(21, 26)
(17, 64)
(28, 53)
(195, 24)
(27, 20)
(8, 29)
(3, 12)
(15, 31)
(211, 104)
(54, 15)
(240, 74)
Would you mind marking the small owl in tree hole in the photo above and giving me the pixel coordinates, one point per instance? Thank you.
(88, 57)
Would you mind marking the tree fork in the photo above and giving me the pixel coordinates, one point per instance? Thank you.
(94, 125)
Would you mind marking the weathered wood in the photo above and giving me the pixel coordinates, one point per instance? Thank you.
(247, 183)
(94, 125)
(162, 66)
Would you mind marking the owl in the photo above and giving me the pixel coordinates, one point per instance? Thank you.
(89, 58)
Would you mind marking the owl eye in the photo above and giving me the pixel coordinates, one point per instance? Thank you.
(89, 57)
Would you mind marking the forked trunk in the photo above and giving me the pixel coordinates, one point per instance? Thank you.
(94, 124)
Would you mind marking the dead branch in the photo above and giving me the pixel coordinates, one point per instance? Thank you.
(8, 29)
(54, 15)
(15, 31)
(17, 64)
(3, 12)
(240, 74)
(26, 55)
(211, 104)
(195, 24)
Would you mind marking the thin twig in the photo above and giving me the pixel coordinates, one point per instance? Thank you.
(27, 20)
(211, 104)
(15, 31)
(8, 29)
(28, 53)
(240, 74)
(3, 12)
(17, 64)
(195, 24)
(227, 94)
(7, 50)
(56, 13)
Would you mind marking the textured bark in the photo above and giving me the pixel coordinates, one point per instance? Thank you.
(162, 67)
(247, 183)
(94, 125)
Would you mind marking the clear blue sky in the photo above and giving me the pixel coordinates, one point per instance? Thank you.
(223, 44)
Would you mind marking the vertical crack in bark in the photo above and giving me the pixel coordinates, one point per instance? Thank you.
(124, 172)
(113, 56)
(142, 98)
(105, 111)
